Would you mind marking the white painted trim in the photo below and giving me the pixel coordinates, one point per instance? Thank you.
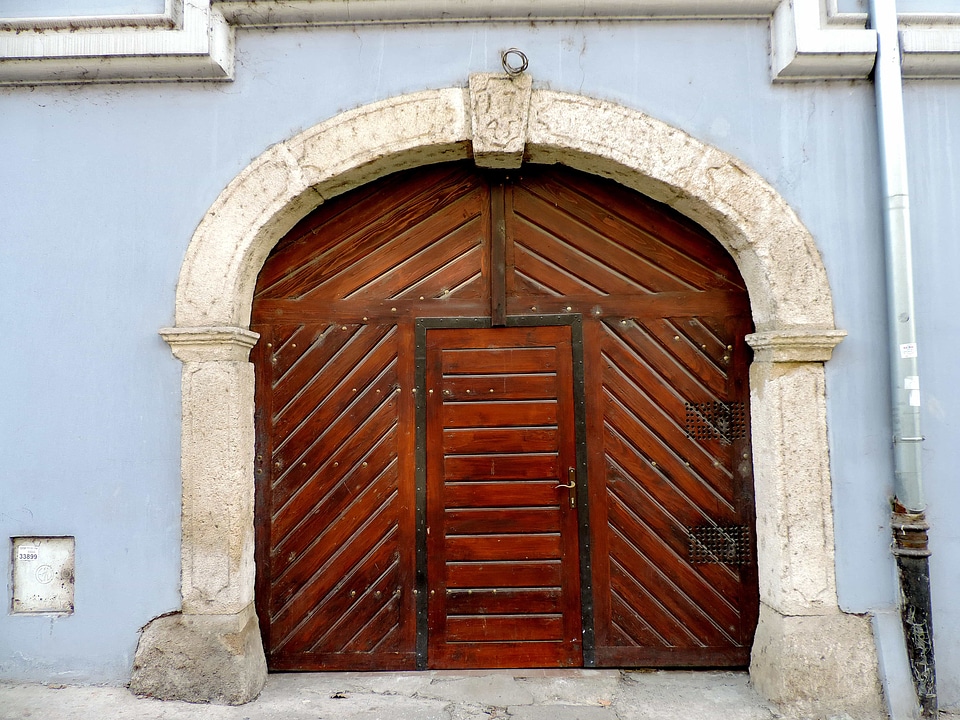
(801, 49)
(811, 40)
(196, 43)
(931, 53)
(194, 39)
(98, 23)
(171, 17)
(256, 13)
(859, 19)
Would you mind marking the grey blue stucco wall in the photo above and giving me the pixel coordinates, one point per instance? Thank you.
(933, 123)
(101, 188)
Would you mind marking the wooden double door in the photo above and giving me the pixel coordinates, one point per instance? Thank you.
(502, 422)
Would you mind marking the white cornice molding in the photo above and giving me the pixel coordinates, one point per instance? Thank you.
(194, 39)
(170, 18)
(190, 41)
(268, 13)
(165, 21)
(931, 52)
(803, 49)
(810, 40)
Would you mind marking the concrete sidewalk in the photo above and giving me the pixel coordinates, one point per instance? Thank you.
(433, 695)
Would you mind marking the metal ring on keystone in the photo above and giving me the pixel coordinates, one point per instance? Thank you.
(508, 68)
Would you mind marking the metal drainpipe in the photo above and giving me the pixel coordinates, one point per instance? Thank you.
(908, 518)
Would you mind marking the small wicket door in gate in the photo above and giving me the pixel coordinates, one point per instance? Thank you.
(503, 567)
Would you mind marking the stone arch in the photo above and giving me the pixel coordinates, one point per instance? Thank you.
(806, 651)
(777, 256)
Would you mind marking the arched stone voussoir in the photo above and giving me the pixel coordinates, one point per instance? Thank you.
(361, 145)
(292, 178)
(777, 256)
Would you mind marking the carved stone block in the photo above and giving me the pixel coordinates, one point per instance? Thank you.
(500, 106)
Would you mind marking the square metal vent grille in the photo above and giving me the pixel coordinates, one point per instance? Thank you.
(719, 544)
(725, 422)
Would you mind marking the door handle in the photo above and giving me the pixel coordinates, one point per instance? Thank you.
(571, 486)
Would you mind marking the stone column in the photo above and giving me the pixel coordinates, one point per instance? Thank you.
(807, 653)
(211, 651)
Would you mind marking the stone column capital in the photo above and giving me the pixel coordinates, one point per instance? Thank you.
(210, 344)
(795, 345)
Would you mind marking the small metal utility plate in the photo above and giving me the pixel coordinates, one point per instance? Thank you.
(43, 575)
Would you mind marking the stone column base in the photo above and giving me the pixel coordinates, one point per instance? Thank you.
(820, 665)
(201, 658)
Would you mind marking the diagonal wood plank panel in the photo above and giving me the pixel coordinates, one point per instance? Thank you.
(601, 250)
(333, 526)
(648, 243)
(333, 252)
(335, 303)
(661, 482)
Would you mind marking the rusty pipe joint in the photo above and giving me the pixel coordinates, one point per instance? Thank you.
(909, 532)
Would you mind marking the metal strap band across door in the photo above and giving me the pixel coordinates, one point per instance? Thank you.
(498, 254)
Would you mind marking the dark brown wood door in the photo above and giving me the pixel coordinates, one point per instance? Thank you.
(665, 313)
(330, 583)
(502, 548)
(665, 508)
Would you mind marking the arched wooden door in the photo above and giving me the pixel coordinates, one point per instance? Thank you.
(502, 421)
